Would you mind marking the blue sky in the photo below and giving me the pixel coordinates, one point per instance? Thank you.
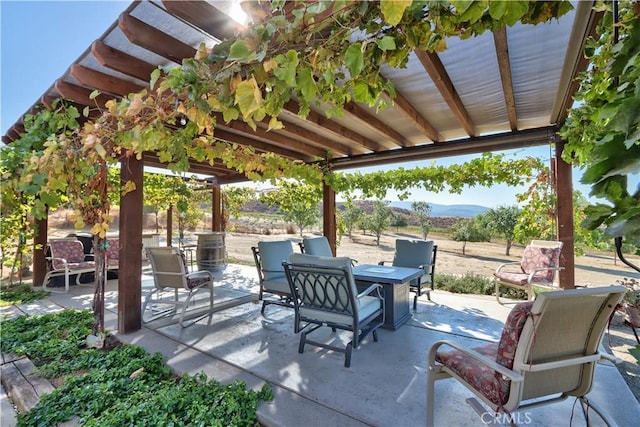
(41, 39)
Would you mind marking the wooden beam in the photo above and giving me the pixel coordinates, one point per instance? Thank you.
(47, 101)
(103, 82)
(292, 107)
(13, 134)
(310, 137)
(80, 94)
(329, 225)
(377, 124)
(410, 111)
(435, 68)
(274, 138)
(39, 245)
(504, 65)
(228, 136)
(204, 16)
(117, 60)
(154, 40)
(216, 209)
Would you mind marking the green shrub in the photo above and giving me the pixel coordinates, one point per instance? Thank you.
(120, 385)
(20, 293)
(474, 284)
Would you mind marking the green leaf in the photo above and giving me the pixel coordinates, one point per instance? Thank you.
(514, 11)
(392, 10)
(474, 12)
(386, 43)
(94, 94)
(361, 93)
(497, 8)
(306, 84)
(287, 67)
(239, 51)
(155, 75)
(354, 59)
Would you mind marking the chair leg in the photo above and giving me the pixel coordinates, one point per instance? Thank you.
(586, 404)
(375, 335)
(347, 355)
(415, 301)
(498, 292)
(303, 338)
(430, 397)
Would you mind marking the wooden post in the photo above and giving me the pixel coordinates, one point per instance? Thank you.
(130, 268)
(216, 209)
(329, 216)
(39, 247)
(170, 225)
(564, 218)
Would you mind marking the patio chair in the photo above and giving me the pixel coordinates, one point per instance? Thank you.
(268, 257)
(547, 352)
(318, 246)
(540, 261)
(417, 254)
(171, 280)
(66, 258)
(325, 294)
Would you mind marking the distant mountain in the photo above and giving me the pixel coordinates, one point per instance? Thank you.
(461, 211)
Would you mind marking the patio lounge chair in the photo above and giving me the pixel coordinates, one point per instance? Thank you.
(171, 279)
(548, 352)
(540, 261)
(417, 254)
(67, 258)
(268, 257)
(325, 294)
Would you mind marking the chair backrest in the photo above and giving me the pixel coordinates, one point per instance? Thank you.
(70, 249)
(558, 346)
(168, 266)
(323, 283)
(318, 246)
(413, 253)
(112, 252)
(541, 254)
(269, 257)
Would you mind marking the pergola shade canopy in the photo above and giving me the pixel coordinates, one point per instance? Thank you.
(501, 90)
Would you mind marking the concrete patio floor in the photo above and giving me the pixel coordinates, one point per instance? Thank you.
(385, 385)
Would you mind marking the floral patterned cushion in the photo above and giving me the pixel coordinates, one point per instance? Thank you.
(536, 257)
(112, 251)
(481, 377)
(194, 282)
(70, 250)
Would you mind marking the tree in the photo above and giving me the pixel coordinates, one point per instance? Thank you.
(398, 220)
(351, 216)
(161, 192)
(380, 219)
(503, 220)
(233, 198)
(423, 213)
(299, 203)
(469, 231)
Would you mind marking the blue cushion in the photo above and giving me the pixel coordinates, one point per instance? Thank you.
(317, 246)
(272, 255)
(413, 253)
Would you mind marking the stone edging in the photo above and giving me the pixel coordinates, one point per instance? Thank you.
(23, 386)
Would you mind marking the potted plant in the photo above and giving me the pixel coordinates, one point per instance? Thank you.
(631, 301)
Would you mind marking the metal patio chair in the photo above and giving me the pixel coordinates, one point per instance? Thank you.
(268, 257)
(540, 261)
(171, 281)
(325, 294)
(547, 353)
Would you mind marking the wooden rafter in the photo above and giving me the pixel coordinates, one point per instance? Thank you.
(103, 82)
(378, 125)
(204, 16)
(80, 95)
(318, 119)
(117, 60)
(232, 137)
(303, 134)
(504, 65)
(154, 40)
(436, 70)
(410, 111)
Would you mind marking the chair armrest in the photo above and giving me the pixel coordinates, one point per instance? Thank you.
(382, 262)
(501, 266)
(52, 258)
(375, 286)
(610, 358)
(537, 270)
(200, 273)
(512, 375)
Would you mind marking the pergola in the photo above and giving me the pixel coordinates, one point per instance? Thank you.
(507, 89)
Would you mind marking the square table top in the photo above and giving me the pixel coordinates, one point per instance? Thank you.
(385, 274)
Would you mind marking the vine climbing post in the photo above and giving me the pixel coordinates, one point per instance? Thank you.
(329, 215)
(130, 267)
